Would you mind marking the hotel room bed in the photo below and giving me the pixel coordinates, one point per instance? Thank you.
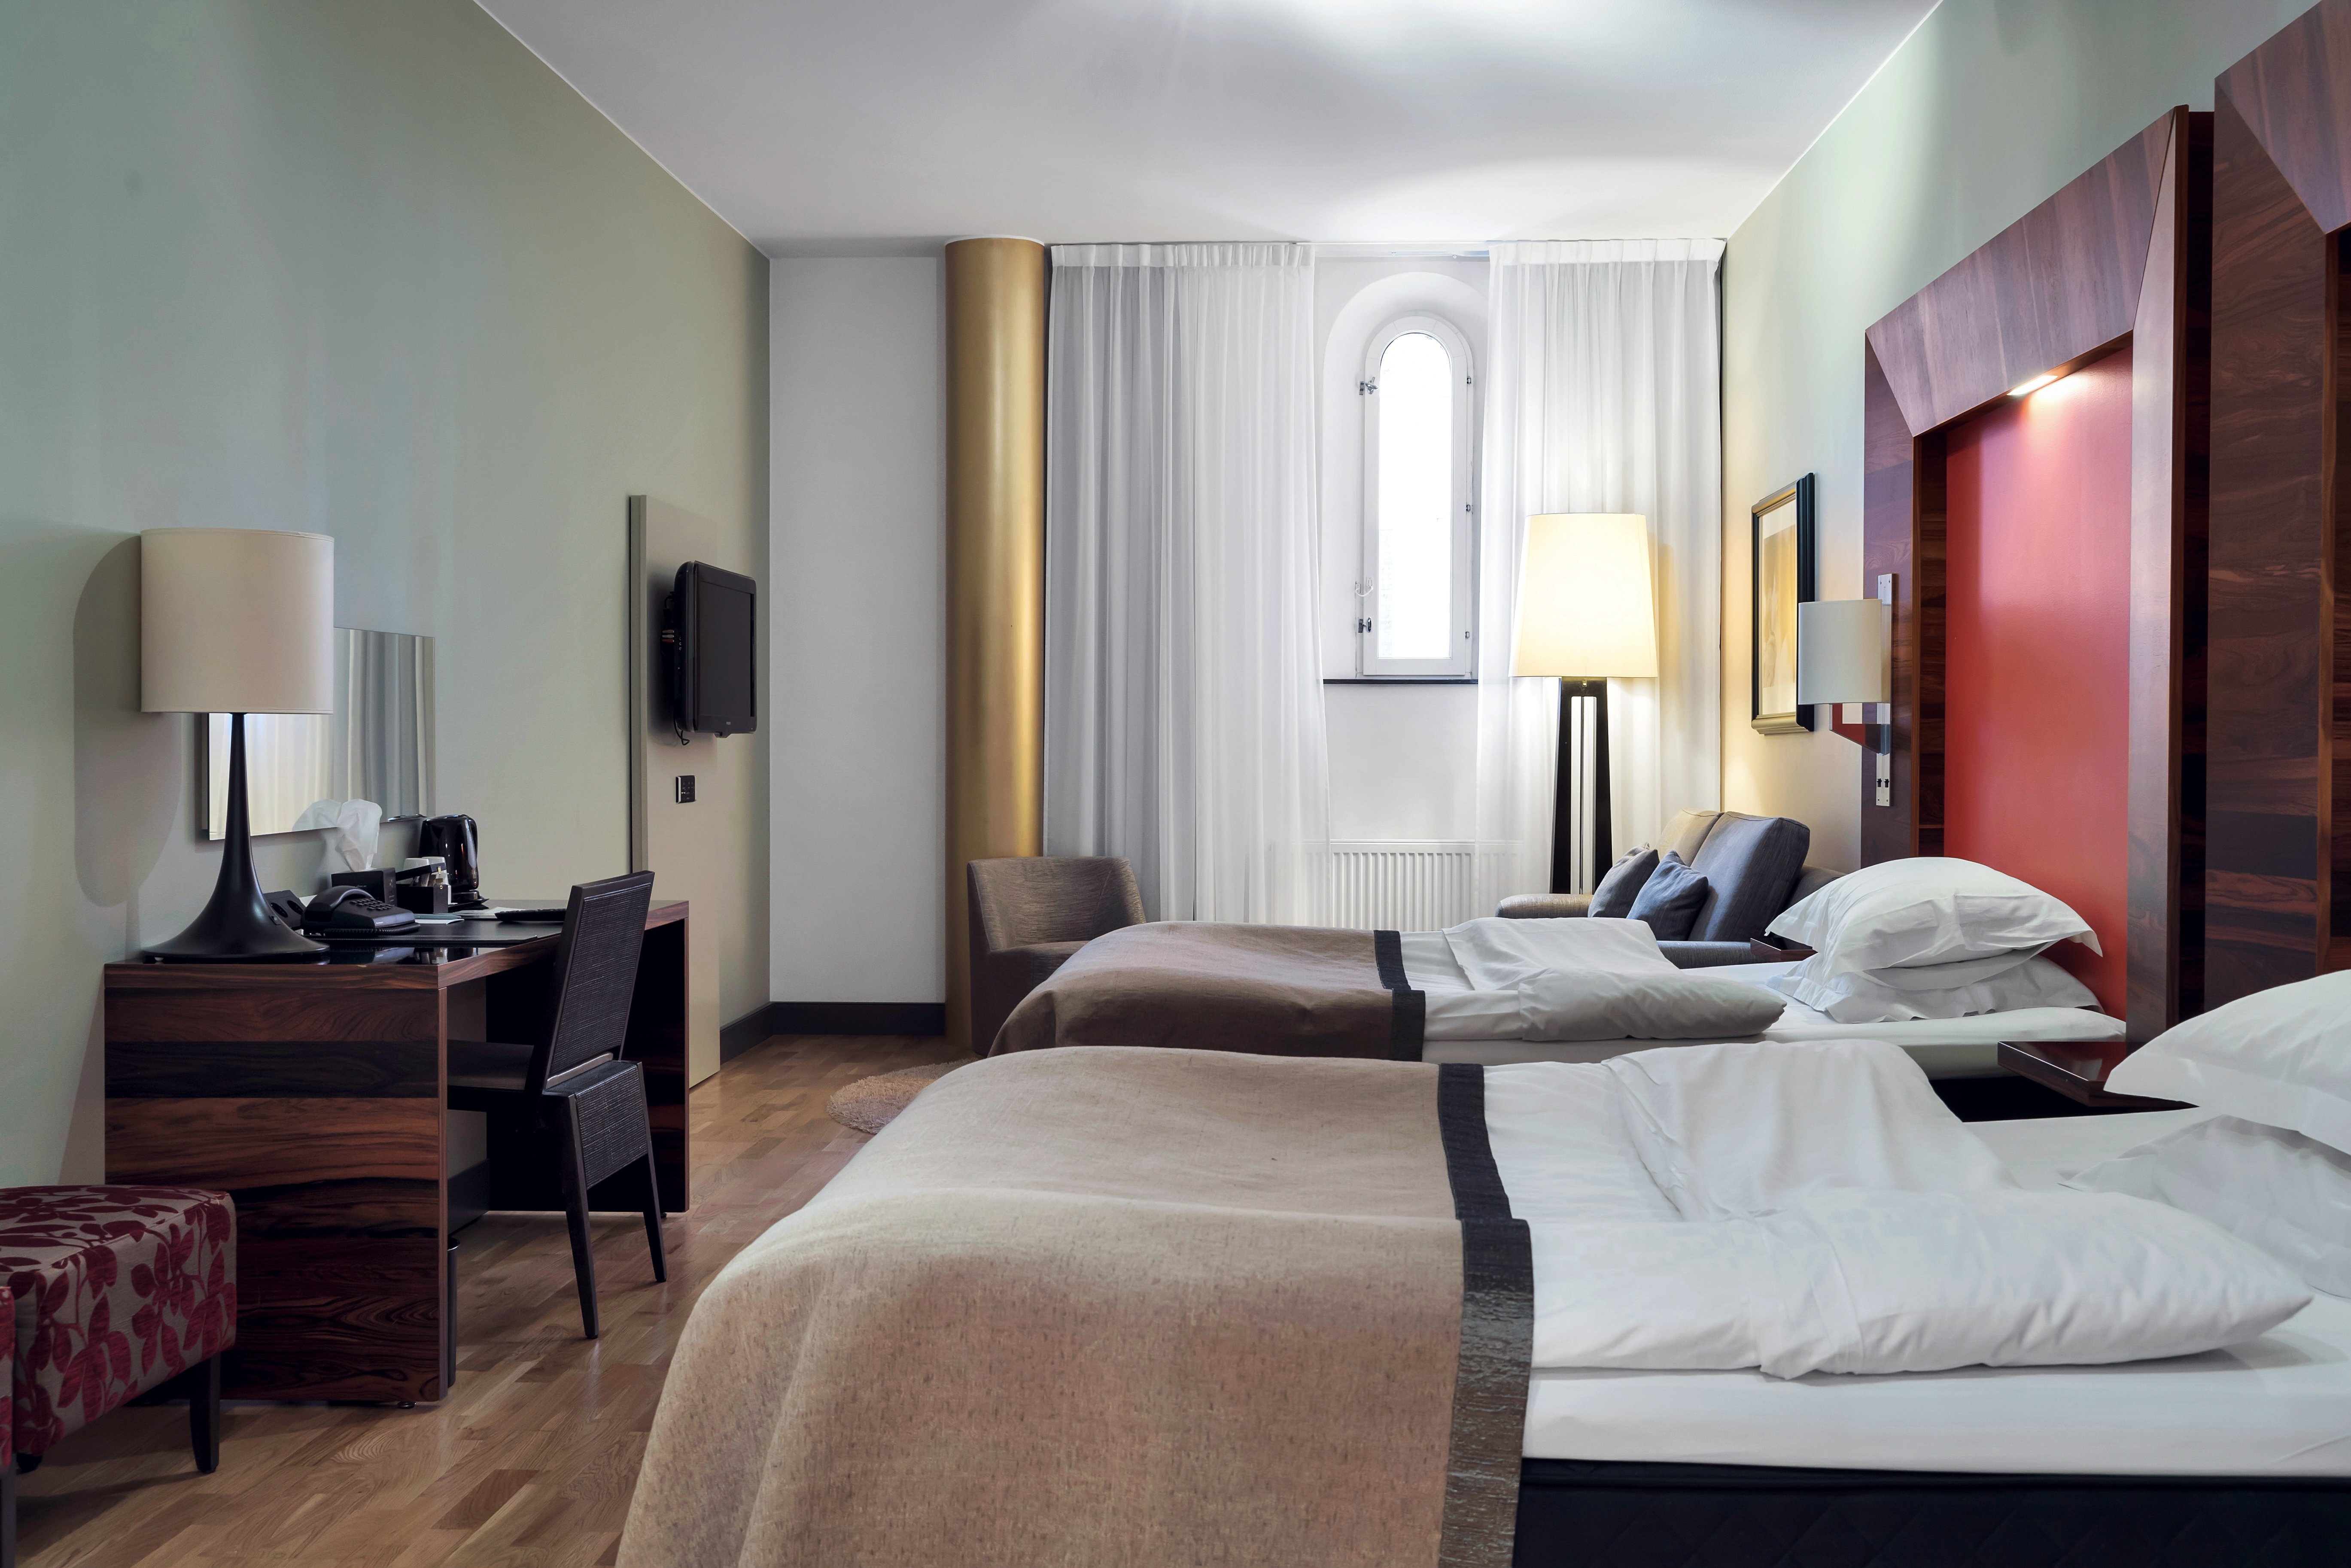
(1286, 991)
(2245, 1451)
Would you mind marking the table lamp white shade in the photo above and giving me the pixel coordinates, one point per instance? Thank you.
(236, 620)
(1587, 607)
(1841, 651)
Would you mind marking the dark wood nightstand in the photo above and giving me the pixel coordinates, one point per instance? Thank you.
(1771, 950)
(2078, 1071)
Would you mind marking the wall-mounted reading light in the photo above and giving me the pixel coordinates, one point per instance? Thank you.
(2026, 389)
(1843, 655)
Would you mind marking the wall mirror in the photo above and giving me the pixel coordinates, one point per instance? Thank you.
(376, 746)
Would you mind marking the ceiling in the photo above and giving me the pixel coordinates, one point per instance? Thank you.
(852, 127)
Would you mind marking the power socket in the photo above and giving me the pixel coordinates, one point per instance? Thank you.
(686, 789)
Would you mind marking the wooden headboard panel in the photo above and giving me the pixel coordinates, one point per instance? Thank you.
(2279, 876)
(2120, 256)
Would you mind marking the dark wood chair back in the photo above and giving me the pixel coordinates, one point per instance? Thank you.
(595, 977)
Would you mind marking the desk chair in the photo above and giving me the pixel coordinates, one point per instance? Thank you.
(572, 1082)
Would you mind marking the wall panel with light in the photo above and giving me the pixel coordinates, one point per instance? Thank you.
(2046, 559)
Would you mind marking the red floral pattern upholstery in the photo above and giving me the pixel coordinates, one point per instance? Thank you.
(117, 1289)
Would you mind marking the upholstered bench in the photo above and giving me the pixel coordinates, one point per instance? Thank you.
(113, 1291)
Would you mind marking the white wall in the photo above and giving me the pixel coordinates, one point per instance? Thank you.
(1987, 109)
(856, 643)
(1403, 757)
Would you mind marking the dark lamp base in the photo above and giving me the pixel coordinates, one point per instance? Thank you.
(236, 927)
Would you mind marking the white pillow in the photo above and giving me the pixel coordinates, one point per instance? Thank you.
(1882, 1282)
(1868, 999)
(1498, 954)
(1929, 910)
(2287, 1194)
(2281, 1057)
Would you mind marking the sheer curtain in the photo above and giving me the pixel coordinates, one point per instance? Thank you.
(1601, 395)
(1183, 695)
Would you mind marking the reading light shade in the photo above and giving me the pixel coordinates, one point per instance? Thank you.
(236, 620)
(1586, 609)
(1841, 651)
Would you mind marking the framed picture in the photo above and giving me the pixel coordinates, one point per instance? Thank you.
(1782, 578)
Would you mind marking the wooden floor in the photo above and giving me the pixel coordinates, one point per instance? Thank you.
(532, 1459)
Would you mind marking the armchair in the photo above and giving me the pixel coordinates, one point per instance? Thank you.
(1028, 915)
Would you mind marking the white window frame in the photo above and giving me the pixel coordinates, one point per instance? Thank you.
(1463, 665)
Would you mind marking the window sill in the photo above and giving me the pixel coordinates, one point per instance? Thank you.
(1399, 680)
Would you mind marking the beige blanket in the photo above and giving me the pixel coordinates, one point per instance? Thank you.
(1118, 1308)
(1273, 990)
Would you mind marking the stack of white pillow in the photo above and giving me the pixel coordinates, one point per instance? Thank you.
(1930, 938)
(2274, 1167)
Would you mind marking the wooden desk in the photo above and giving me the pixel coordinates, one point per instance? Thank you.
(315, 1095)
(2078, 1071)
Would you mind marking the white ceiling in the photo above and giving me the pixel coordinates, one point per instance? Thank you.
(844, 127)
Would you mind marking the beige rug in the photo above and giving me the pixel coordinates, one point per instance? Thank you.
(871, 1104)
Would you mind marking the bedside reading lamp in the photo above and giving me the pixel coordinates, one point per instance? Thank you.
(236, 620)
(1587, 613)
(1842, 657)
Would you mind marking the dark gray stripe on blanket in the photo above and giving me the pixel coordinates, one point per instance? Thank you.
(1408, 1018)
(1497, 1301)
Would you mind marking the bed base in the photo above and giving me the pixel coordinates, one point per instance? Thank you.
(1578, 1514)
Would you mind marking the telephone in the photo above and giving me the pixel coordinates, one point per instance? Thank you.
(350, 912)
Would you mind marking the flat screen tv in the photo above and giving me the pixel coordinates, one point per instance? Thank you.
(713, 651)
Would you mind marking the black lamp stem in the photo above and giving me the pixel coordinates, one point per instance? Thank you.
(236, 927)
(1565, 828)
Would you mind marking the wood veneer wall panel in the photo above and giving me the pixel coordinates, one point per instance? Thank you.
(2171, 407)
(2294, 97)
(2271, 657)
(1888, 526)
(2057, 285)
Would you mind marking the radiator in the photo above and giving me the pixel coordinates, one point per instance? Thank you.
(1403, 884)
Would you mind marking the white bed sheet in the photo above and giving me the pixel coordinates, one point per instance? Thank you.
(1469, 1025)
(2278, 1406)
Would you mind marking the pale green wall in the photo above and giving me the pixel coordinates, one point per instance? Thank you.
(1988, 109)
(371, 270)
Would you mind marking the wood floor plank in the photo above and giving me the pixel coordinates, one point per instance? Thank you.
(532, 1458)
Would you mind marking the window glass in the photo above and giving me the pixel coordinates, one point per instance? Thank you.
(1415, 499)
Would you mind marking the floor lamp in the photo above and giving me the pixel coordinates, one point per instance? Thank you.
(1587, 614)
(236, 620)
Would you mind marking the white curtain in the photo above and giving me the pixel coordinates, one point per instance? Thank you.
(1182, 696)
(1601, 395)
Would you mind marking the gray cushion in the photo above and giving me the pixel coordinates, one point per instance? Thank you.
(1669, 901)
(1613, 899)
(1751, 863)
(1544, 906)
(1810, 881)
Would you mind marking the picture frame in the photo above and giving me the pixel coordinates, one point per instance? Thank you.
(1782, 565)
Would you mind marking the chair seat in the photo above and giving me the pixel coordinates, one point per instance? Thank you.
(117, 1290)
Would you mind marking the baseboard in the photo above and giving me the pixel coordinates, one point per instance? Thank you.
(925, 1019)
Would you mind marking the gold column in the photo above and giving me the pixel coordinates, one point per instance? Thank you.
(996, 574)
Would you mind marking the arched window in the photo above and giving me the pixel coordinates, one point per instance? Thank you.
(1416, 588)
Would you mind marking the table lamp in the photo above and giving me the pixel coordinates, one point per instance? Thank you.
(236, 620)
(1587, 612)
(1840, 657)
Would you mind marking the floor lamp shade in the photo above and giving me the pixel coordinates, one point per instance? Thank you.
(1587, 605)
(1587, 614)
(236, 620)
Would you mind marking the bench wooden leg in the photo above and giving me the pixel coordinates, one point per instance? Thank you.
(7, 1514)
(204, 1413)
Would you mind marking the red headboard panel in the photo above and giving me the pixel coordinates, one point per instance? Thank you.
(2036, 763)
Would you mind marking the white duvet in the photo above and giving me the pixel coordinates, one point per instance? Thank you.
(1816, 1208)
